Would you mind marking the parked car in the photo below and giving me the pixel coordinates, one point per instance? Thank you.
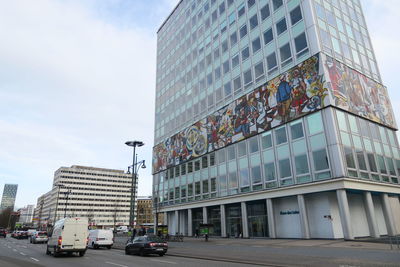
(100, 238)
(69, 235)
(3, 232)
(144, 245)
(30, 232)
(122, 229)
(20, 235)
(39, 237)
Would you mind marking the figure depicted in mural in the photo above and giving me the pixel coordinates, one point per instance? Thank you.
(299, 92)
(283, 97)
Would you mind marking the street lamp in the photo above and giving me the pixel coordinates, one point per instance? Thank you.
(135, 167)
(58, 196)
(66, 201)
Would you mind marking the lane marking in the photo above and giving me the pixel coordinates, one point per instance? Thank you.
(34, 259)
(23, 254)
(258, 246)
(116, 264)
(14, 250)
(170, 262)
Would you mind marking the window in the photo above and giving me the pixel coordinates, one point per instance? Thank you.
(245, 53)
(320, 160)
(284, 168)
(231, 152)
(247, 77)
(235, 61)
(295, 15)
(224, 46)
(256, 45)
(280, 135)
(205, 186)
(253, 22)
(237, 84)
(221, 156)
(277, 4)
(242, 149)
(268, 36)
(241, 10)
(217, 73)
(214, 16)
(301, 164)
(348, 152)
(259, 70)
(250, 3)
(222, 8)
(266, 140)
(265, 12)
(285, 53)
(230, 2)
(227, 89)
(271, 62)
(301, 44)
(232, 18)
(269, 171)
(233, 39)
(281, 26)
(226, 66)
(243, 31)
(253, 144)
(209, 79)
(296, 129)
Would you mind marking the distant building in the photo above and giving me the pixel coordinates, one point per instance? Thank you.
(26, 214)
(9, 195)
(102, 195)
(42, 213)
(144, 211)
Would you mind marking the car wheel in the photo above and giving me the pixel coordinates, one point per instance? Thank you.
(161, 254)
(127, 252)
(81, 253)
(55, 253)
(108, 247)
(47, 251)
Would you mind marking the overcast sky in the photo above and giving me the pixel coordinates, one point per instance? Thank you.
(77, 80)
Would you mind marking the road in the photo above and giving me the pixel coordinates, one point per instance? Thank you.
(18, 253)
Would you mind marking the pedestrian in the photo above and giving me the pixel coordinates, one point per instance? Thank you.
(133, 233)
(197, 233)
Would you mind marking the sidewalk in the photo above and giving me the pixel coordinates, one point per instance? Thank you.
(286, 252)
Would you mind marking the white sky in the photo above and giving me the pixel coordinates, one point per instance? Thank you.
(77, 80)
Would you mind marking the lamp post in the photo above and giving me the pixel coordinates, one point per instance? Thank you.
(58, 196)
(135, 167)
(66, 202)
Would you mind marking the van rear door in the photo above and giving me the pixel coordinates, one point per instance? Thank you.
(81, 233)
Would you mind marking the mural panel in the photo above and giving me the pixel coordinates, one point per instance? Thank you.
(356, 93)
(295, 93)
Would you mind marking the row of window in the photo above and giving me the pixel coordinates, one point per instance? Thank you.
(123, 175)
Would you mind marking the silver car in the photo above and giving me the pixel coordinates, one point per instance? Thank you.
(39, 237)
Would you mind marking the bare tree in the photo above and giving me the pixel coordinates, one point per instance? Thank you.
(5, 217)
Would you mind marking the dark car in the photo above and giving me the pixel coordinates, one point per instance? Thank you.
(3, 232)
(144, 245)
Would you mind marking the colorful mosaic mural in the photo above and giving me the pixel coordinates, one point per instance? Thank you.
(295, 93)
(357, 93)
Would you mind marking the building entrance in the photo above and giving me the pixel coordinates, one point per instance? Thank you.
(257, 219)
(234, 220)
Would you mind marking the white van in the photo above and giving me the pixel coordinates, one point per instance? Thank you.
(100, 238)
(69, 235)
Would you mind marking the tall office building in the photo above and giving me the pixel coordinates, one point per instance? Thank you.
(26, 214)
(9, 195)
(271, 120)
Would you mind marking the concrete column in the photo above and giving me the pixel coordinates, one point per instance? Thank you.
(271, 219)
(387, 213)
(369, 209)
(205, 219)
(155, 223)
(223, 220)
(244, 220)
(176, 221)
(305, 228)
(165, 218)
(344, 212)
(190, 222)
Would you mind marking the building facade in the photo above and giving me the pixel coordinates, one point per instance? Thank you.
(144, 212)
(9, 195)
(44, 211)
(271, 120)
(26, 214)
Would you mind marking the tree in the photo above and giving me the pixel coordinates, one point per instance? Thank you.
(5, 217)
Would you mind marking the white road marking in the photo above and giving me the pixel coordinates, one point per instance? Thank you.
(116, 264)
(24, 246)
(170, 262)
(23, 254)
(258, 246)
(14, 250)
(34, 259)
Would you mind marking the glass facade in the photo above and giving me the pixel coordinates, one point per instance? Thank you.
(211, 53)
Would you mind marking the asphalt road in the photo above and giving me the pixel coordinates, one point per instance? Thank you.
(18, 253)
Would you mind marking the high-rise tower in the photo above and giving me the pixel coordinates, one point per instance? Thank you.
(272, 120)
(9, 195)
